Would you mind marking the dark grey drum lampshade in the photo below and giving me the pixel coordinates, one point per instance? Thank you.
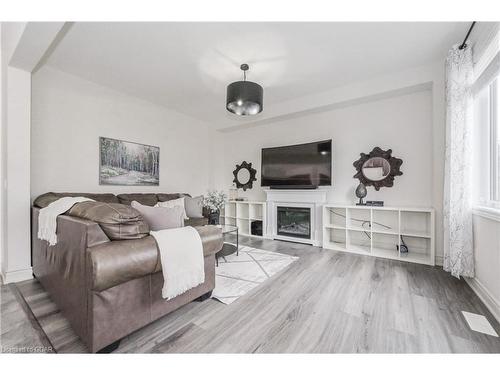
(244, 97)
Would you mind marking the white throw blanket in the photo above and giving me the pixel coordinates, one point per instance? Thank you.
(47, 219)
(181, 254)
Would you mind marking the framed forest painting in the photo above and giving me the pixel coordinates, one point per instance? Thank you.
(128, 163)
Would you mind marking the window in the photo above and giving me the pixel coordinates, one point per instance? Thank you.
(486, 180)
(494, 101)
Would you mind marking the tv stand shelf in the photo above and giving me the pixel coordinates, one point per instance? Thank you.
(242, 214)
(380, 231)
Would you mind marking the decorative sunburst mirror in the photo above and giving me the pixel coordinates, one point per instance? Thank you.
(378, 168)
(244, 175)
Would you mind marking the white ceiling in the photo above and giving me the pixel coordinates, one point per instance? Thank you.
(187, 66)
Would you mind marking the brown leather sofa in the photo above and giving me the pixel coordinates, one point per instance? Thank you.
(104, 273)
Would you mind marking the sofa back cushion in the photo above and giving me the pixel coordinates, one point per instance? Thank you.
(159, 218)
(179, 202)
(165, 197)
(194, 207)
(118, 221)
(45, 199)
(148, 199)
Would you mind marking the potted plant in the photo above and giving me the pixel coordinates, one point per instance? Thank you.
(214, 201)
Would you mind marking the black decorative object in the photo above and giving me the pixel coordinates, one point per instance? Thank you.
(378, 168)
(244, 97)
(244, 175)
(256, 228)
(214, 218)
(403, 248)
(361, 193)
(375, 203)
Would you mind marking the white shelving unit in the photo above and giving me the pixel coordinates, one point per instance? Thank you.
(242, 214)
(377, 231)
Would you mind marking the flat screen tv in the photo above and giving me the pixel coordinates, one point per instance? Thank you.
(307, 165)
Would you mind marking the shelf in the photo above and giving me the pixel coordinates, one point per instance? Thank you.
(251, 235)
(247, 202)
(359, 249)
(416, 224)
(416, 257)
(339, 246)
(416, 234)
(358, 229)
(229, 221)
(382, 208)
(385, 253)
(385, 232)
(243, 213)
(330, 226)
(384, 226)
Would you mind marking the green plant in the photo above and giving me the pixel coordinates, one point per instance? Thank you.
(214, 200)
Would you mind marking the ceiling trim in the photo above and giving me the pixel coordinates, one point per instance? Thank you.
(36, 39)
(382, 87)
(426, 86)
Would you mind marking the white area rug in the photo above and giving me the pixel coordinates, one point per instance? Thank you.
(237, 275)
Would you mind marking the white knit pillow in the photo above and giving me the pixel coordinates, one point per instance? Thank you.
(174, 203)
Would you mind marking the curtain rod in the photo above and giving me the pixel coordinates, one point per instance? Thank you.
(463, 45)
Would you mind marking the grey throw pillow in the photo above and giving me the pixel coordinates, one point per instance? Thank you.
(161, 217)
(194, 206)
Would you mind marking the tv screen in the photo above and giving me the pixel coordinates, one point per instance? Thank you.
(305, 165)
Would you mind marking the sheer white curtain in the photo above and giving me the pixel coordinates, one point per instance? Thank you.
(458, 244)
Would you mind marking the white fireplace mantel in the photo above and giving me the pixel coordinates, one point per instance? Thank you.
(313, 198)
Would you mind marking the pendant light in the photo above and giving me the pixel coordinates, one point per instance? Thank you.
(244, 97)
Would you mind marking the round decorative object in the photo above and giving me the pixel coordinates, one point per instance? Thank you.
(378, 168)
(244, 97)
(361, 193)
(244, 175)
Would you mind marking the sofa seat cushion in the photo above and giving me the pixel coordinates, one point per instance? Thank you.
(147, 199)
(118, 221)
(45, 199)
(117, 262)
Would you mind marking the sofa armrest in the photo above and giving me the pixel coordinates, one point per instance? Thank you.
(211, 237)
(62, 269)
(117, 262)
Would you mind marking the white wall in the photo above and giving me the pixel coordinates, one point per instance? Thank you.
(69, 115)
(3, 145)
(14, 170)
(487, 262)
(403, 123)
(18, 181)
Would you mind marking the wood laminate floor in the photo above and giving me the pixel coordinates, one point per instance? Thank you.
(325, 302)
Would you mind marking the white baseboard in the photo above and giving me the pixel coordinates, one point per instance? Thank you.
(16, 276)
(438, 260)
(484, 295)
